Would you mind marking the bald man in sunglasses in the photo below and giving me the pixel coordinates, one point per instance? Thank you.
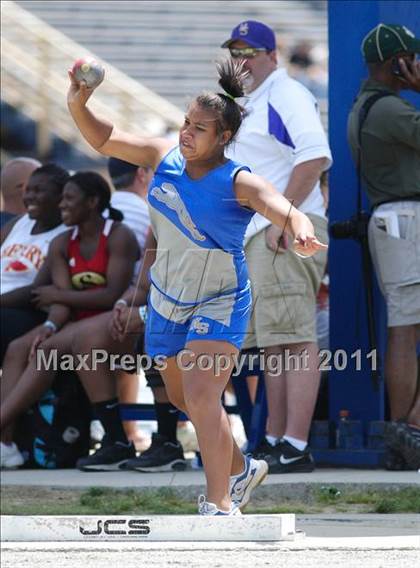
(282, 139)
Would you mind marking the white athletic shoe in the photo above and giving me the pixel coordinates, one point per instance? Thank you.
(10, 456)
(241, 485)
(206, 508)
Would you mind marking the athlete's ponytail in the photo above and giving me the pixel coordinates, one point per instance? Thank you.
(228, 111)
(231, 78)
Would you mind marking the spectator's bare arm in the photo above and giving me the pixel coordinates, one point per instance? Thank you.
(60, 277)
(135, 295)
(22, 297)
(303, 179)
(58, 314)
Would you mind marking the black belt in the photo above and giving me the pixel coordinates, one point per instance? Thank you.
(409, 198)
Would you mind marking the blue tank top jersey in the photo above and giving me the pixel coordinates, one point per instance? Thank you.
(199, 226)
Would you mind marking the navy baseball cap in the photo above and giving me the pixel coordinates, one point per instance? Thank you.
(255, 34)
(118, 168)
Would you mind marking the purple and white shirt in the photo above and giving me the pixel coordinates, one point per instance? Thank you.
(283, 129)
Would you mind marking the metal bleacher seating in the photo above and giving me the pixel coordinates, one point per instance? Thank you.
(170, 47)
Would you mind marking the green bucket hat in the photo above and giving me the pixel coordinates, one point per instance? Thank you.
(387, 40)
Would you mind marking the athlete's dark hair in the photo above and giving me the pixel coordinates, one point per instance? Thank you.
(57, 175)
(228, 112)
(92, 184)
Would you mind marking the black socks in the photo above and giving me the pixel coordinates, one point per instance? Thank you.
(167, 418)
(108, 412)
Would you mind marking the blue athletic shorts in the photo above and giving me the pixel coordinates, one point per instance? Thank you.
(224, 318)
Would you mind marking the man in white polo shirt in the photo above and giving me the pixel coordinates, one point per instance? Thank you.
(282, 139)
(131, 183)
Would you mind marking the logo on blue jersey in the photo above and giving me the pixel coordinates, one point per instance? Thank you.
(168, 195)
(199, 326)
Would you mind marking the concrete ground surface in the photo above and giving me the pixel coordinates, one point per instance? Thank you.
(338, 540)
(339, 525)
(195, 479)
(395, 552)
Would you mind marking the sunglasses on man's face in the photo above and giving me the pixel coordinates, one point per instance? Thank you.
(245, 52)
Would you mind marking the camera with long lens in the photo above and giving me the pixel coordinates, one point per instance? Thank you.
(354, 228)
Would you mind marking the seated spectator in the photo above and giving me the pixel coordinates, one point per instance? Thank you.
(13, 180)
(91, 266)
(130, 197)
(24, 247)
(114, 333)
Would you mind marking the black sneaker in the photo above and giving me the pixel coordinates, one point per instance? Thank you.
(162, 455)
(107, 458)
(404, 439)
(287, 459)
(263, 449)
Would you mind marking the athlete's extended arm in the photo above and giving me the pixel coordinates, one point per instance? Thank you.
(105, 138)
(256, 193)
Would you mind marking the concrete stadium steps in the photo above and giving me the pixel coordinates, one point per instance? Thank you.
(171, 46)
(173, 19)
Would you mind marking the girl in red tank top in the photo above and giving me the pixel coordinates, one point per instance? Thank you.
(88, 274)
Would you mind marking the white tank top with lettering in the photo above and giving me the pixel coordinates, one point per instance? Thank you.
(23, 254)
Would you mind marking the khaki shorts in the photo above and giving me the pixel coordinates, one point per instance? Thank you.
(284, 289)
(394, 242)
